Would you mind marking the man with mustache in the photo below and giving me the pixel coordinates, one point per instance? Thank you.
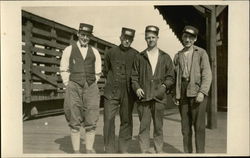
(80, 70)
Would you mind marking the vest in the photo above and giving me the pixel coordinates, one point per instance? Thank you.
(81, 70)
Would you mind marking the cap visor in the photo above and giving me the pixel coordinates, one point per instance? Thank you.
(85, 32)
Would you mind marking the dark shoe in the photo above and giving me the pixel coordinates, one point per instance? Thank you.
(124, 152)
(77, 152)
(90, 151)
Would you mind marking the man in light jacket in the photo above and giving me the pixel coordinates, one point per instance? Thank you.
(193, 80)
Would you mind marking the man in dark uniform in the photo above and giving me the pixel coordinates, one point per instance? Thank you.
(118, 93)
(80, 70)
(193, 80)
(152, 77)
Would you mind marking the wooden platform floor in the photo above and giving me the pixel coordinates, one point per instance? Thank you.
(50, 135)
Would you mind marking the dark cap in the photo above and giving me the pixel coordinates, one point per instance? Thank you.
(190, 30)
(151, 28)
(128, 32)
(86, 28)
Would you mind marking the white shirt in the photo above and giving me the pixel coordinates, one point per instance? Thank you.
(64, 64)
(188, 62)
(153, 58)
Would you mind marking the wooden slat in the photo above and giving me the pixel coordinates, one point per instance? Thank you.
(47, 78)
(37, 79)
(24, 47)
(48, 34)
(47, 51)
(41, 32)
(63, 40)
(47, 43)
(45, 86)
(45, 60)
(36, 18)
(65, 28)
(98, 40)
(46, 97)
(47, 68)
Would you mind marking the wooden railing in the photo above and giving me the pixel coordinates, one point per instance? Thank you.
(43, 41)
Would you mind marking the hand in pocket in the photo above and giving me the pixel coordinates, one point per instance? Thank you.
(160, 93)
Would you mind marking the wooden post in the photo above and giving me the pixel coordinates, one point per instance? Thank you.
(28, 62)
(212, 107)
(53, 40)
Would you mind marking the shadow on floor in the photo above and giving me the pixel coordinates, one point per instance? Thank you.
(65, 145)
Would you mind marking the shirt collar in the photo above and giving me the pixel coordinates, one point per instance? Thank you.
(79, 45)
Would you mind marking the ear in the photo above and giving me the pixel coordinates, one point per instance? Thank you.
(195, 39)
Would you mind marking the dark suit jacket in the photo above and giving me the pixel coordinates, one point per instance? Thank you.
(117, 70)
(151, 84)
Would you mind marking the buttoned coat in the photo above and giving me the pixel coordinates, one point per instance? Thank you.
(150, 83)
(117, 71)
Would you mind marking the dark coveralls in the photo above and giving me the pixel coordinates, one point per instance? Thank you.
(153, 103)
(117, 70)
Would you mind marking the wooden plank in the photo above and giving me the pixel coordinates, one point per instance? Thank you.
(212, 109)
(44, 98)
(27, 58)
(47, 68)
(24, 47)
(65, 40)
(45, 86)
(65, 28)
(41, 32)
(47, 51)
(47, 78)
(47, 43)
(40, 59)
(53, 40)
(37, 79)
(208, 7)
(37, 19)
(48, 34)
(200, 9)
(219, 9)
(98, 40)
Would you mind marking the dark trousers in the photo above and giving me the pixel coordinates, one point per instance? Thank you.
(146, 111)
(111, 107)
(193, 114)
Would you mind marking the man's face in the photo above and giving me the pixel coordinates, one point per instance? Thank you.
(83, 38)
(126, 41)
(188, 40)
(151, 39)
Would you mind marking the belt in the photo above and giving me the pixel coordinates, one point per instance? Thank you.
(186, 79)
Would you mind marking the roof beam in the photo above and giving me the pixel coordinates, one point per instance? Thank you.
(219, 9)
(200, 9)
(210, 8)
